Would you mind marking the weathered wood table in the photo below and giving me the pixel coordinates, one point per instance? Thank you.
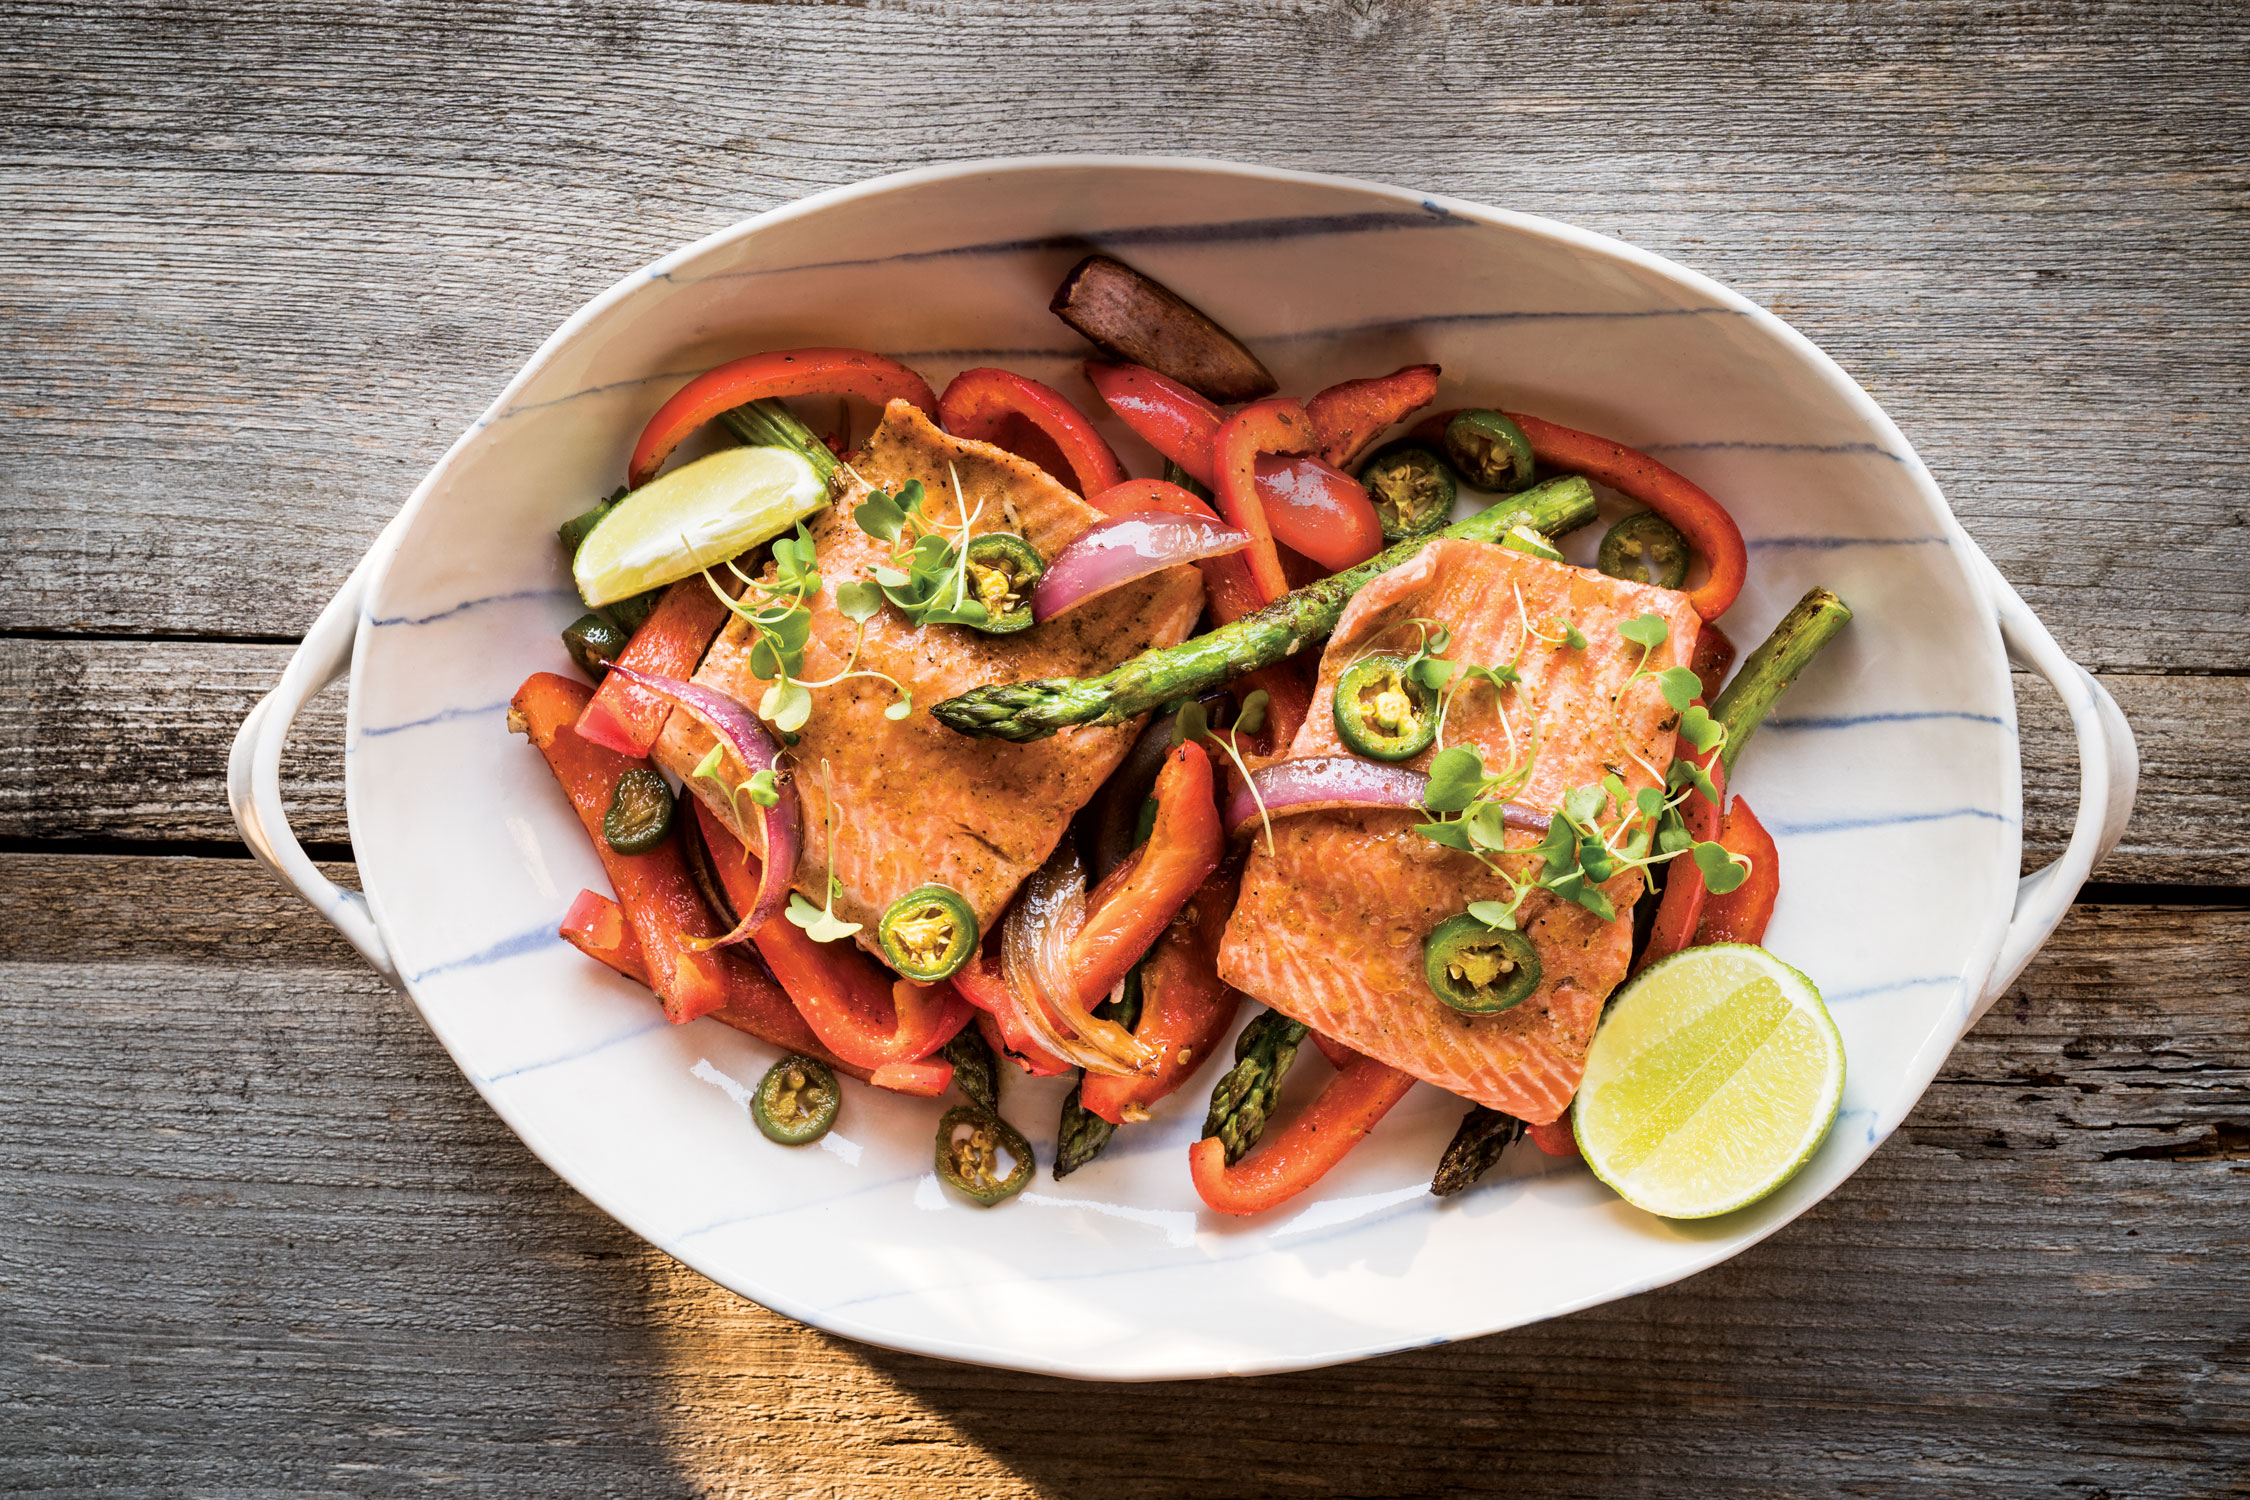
(261, 263)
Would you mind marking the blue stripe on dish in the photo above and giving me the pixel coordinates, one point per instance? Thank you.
(1854, 721)
(1474, 319)
(1837, 543)
(1745, 446)
(658, 1023)
(466, 605)
(1226, 231)
(528, 941)
(1837, 997)
(596, 390)
(445, 717)
(1888, 820)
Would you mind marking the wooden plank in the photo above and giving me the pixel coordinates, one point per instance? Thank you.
(242, 1179)
(266, 263)
(116, 740)
(108, 740)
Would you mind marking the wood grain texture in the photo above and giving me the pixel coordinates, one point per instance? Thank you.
(259, 1237)
(128, 741)
(265, 263)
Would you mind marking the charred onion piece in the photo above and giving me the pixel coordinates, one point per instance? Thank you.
(1137, 320)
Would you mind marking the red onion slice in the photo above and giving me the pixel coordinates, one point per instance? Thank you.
(1034, 949)
(1123, 548)
(745, 738)
(1325, 783)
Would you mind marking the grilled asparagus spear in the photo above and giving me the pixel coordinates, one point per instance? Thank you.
(1766, 674)
(1483, 1135)
(1244, 1097)
(1081, 1135)
(769, 424)
(1033, 710)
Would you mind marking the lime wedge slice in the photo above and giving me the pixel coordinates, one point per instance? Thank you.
(695, 517)
(1713, 1077)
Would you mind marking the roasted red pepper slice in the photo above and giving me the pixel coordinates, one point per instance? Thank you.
(1632, 473)
(1228, 589)
(1319, 512)
(1672, 495)
(1741, 915)
(784, 372)
(1127, 911)
(1555, 1137)
(979, 404)
(1714, 653)
(1352, 415)
(1292, 1159)
(1000, 1021)
(596, 927)
(1309, 505)
(660, 898)
(1185, 1007)
(1276, 425)
(859, 1010)
(670, 643)
(1682, 907)
(1166, 415)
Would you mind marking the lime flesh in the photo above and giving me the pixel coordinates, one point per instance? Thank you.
(695, 517)
(1712, 1079)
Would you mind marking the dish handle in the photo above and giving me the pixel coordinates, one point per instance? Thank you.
(254, 771)
(2109, 768)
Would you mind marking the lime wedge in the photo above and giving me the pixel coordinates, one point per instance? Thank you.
(1713, 1077)
(695, 517)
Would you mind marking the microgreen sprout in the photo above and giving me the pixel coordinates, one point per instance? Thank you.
(1600, 830)
(927, 573)
(1192, 723)
(821, 923)
(762, 787)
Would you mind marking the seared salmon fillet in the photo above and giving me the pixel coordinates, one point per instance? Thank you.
(1330, 925)
(911, 802)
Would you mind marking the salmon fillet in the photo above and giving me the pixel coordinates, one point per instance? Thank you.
(913, 802)
(1330, 925)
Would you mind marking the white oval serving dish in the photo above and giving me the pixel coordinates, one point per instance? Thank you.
(1890, 774)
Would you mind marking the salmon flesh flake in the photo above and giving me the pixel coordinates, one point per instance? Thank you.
(1330, 926)
(912, 802)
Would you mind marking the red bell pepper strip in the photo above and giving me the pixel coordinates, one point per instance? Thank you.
(670, 643)
(596, 927)
(981, 983)
(658, 894)
(927, 1079)
(1632, 473)
(1741, 915)
(1672, 495)
(858, 1009)
(1555, 1137)
(1128, 911)
(785, 372)
(1166, 415)
(1714, 653)
(1318, 511)
(1310, 505)
(1185, 1007)
(1275, 425)
(1229, 591)
(1352, 415)
(978, 403)
(1682, 907)
(1292, 1159)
